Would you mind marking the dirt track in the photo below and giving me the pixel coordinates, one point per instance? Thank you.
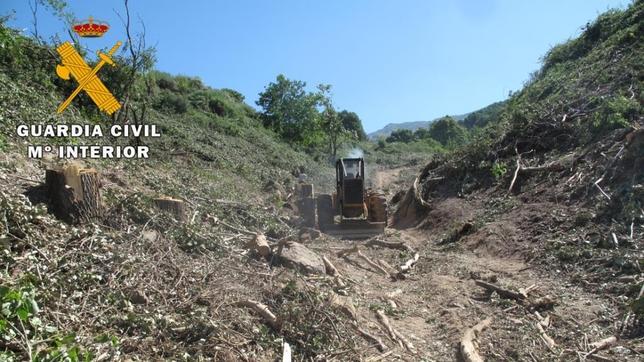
(439, 299)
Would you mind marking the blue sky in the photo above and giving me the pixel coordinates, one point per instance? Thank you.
(388, 61)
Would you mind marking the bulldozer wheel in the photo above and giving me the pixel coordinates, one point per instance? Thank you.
(325, 211)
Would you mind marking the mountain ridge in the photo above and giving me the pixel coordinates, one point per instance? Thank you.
(414, 125)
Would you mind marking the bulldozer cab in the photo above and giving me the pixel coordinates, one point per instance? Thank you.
(350, 168)
(350, 186)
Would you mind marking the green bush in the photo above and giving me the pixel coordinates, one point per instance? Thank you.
(616, 112)
(238, 97)
(401, 135)
(499, 170)
(448, 132)
(173, 102)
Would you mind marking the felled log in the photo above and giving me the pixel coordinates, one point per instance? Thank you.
(467, 346)
(260, 245)
(174, 207)
(601, 345)
(263, 311)
(543, 323)
(506, 293)
(74, 193)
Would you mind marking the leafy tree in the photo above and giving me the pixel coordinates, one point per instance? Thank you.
(421, 133)
(448, 132)
(401, 135)
(353, 124)
(290, 110)
(333, 123)
(381, 144)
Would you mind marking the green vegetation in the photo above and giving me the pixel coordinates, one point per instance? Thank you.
(443, 135)
(483, 116)
(587, 88)
(353, 124)
(291, 111)
(213, 147)
(448, 132)
(401, 135)
(307, 119)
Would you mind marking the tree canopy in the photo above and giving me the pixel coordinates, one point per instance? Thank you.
(307, 118)
(353, 124)
(448, 132)
(401, 135)
(290, 111)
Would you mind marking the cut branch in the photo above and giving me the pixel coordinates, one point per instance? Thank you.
(262, 310)
(375, 340)
(344, 252)
(468, 349)
(409, 263)
(372, 263)
(330, 268)
(386, 244)
(507, 293)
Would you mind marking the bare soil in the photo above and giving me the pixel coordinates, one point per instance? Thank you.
(439, 299)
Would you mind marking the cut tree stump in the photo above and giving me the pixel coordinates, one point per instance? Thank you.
(74, 193)
(174, 207)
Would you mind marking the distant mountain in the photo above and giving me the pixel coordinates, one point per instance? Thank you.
(386, 130)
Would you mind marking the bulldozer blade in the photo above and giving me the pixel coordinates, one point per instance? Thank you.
(355, 229)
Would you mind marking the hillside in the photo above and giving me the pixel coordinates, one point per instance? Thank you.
(125, 285)
(557, 178)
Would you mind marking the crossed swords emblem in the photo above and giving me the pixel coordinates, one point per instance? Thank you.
(86, 77)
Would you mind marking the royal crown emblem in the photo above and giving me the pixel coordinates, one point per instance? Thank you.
(91, 28)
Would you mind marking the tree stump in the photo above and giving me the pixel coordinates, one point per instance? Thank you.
(377, 203)
(174, 207)
(74, 193)
(307, 205)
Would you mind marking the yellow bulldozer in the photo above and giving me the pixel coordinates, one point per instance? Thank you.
(352, 211)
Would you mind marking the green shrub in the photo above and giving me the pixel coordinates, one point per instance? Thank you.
(401, 135)
(499, 170)
(173, 102)
(616, 112)
(234, 94)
